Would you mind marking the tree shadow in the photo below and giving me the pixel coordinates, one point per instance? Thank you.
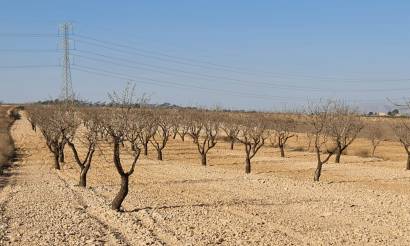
(208, 205)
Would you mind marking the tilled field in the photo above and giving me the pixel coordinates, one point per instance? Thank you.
(179, 202)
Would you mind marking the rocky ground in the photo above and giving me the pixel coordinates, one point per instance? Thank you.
(178, 202)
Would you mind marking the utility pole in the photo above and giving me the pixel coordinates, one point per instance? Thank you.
(67, 93)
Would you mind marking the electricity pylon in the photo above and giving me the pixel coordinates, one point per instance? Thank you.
(67, 93)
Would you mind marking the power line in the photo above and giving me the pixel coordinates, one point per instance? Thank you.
(30, 35)
(160, 69)
(30, 50)
(170, 83)
(28, 66)
(164, 70)
(121, 76)
(232, 80)
(211, 65)
(193, 62)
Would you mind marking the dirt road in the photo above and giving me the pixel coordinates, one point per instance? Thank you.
(178, 202)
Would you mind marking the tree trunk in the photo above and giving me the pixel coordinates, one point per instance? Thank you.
(83, 176)
(119, 198)
(338, 155)
(33, 126)
(174, 136)
(183, 137)
(318, 171)
(61, 153)
(57, 161)
(232, 143)
(282, 150)
(203, 159)
(247, 165)
(159, 156)
(373, 150)
(408, 162)
(337, 160)
(145, 148)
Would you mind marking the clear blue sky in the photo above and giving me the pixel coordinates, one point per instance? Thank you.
(240, 54)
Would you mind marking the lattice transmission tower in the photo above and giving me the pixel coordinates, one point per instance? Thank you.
(67, 92)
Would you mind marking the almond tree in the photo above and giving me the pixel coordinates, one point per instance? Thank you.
(231, 129)
(203, 128)
(55, 125)
(320, 118)
(88, 138)
(180, 123)
(253, 133)
(149, 128)
(183, 129)
(32, 121)
(375, 135)
(345, 127)
(117, 122)
(402, 131)
(175, 123)
(283, 130)
(52, 135)
(160, 139)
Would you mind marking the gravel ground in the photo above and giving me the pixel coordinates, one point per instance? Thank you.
(363, 201)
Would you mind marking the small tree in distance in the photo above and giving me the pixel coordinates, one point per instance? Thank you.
(231, 130)
(375, 135)
(402, 131)
(163, 131)
(284, 128)
(345, 126)
(253, 133)
(320, 117)
(204, 127)
(149, 128)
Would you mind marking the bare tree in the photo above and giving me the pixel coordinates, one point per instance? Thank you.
(31, 120)
(253, 133)
(55, 122)
(88, 138)
(175, 123)
(160, 139)
(321, 117)
(346, 125)
(402, 131)
(180, 123)
(284, 128)
(149, 128)
(117, 122)
(231, 129)
(183, 129)
(204, 127)
(375, 135)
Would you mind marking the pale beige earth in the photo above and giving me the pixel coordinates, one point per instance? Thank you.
(362, 201)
